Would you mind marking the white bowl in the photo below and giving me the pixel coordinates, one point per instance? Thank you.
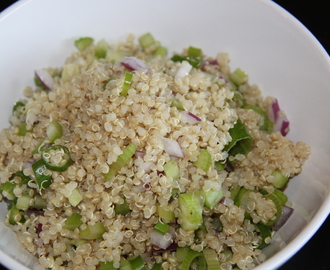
(279, 53)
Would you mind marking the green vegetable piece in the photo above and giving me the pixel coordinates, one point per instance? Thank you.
(73, 222)
(125, 265)
(92, 232)
(137, 263)
(42, 174)
(101, 49)
(267, 124)
(162, 51)
(281, 196)
(38, 83)
(194, 62)
(161, 227)
(157, 266)
(109, 80)
(220, 165)
(83, 42)
(187, 256)
(242, 197)
(121, 161)
(9, 188)
(194, 52)
(23, 202)
(107, 266)
(278, 205)
(176, 103)
(56, 158)
(18, 105)
(171, 169)
(204, 160)
(24, 179)
(22, 131)
(212, 198)
(54, 131)
(191, 206)
(39, 202)
(122, 209)
(228, 253)
(279, 179)
(212, 259)
(234, 191)
(126, 84)
(201, 263)
(76, 197)
(239, 77)
(13, 214)
(146, 40)
(241, 142)
(265, 234)
(165, 215)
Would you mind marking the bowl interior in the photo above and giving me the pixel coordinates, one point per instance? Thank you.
(280, 55)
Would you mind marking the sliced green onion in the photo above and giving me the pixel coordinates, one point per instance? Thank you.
(220, 165)
(23, 202)
(107, 266)
(56, 157)
(22, 129)
(13, 215)
(9, 188)
(212, 259)
(242, 198)
(54, 131)
(228, 253)
(212, 198)
(125, 265)
(121, 161)
(265, 234)
(93, 232)
(109, 80)
(137, 263)
(123, 208)
(191, 208)
(162, 51)
(24, 179)
(176, 103)
(146, 40)
(171, 169)
(73, 222)
(194, 52)
(157, 266)
(161, 227)
(279, 179)
(281, 196)
(76, 197)
(204, 160)
(42, 174)
(39, 202)
(217, 224)
(267, 125)
(241, 142)
(234, 191)
(101, 49)
(239, 77)
(187, 255)
(18, 105)
(194, 62)
(83, 42)
(165, 215)
(278, 205)
(201, 263)
(38, 83)
(126, 84)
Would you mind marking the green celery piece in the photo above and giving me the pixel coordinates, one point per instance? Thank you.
(39, 202)
(267, 125)
(194, 52)
(22, 129)
(122, 209)
(73, 222)
(161, 227)
(176, 103)
(278, 205)
(191, 206)
(146, 40)
(165, 215)
(171, 169)
(201, 263)
(162, 51)
(212, 198)
(9, 188)
(234, 191)
(238, 77)
(92, 232)
(12, 214)
(54, 131)
(127, 83)
(157, 266)
(280, 179)
(211, 258)
(42, 174)
(220, 165)
(107, 266)
(228, 253)
(101, 49)
(137, 263)
(83, 42)
(121, 161)
(281, 196)
(204, 160)
(241, 142)
(187, 256)
(76, 197)
(265, 232)
(125, 265)
(23, 202)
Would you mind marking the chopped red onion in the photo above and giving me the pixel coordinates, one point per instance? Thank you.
(163, 241)
(190, 118)
(183, 70)
(133, 63)
(45, 78)
(286, 214)
(278, 117)
(140, 153)
(172, 147)
(227, 201)
(171, 247)
(213, 62)
(146, 166)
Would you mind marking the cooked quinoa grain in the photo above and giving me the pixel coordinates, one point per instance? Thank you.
(125, 154)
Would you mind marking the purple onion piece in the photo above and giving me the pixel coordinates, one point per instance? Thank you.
(45, 78)
(133, 63)
(286, 214)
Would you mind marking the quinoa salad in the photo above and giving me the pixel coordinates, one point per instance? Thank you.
(127, 158)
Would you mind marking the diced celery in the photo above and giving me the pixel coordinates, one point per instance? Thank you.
(23, 202)
(9, 188)
(212, 259)
(39, 202)
(204, 160)
(212, 198)
(186, 256)
(165, 215)
(157, 266)
(115, 55)
(101, 49)
(73, 222)
(76, 197)
(137, 263)
(220, 165)
(122, 209)
(171, 169)
(93, 231)
(238, 77)
(125, 265)
(22, 129)
(191, 208)
(107, 266)
(194, 52)
(127, 83)
(54, 131)
(121, 161)
(146, 40)
(162, 51)
(228, 253)
(234, 191)
(176, 103)
(83, 42)
(161, 227)
(279, 179)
